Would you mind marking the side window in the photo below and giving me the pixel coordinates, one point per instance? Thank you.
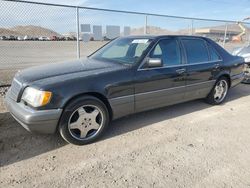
(196, 50)
(213, 54)
(167, 50)
(139, 49)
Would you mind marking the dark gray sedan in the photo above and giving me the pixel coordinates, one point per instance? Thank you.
(128, 75)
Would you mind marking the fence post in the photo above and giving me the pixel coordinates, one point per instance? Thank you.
(146, 25)
(77, 34)
(225, 36)
(192, 27)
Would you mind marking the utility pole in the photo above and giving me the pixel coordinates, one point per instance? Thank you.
(146, 25)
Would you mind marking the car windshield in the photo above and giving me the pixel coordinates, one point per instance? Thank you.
(123, 50)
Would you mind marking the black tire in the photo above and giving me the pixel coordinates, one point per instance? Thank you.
(67, 133)
(211, 96)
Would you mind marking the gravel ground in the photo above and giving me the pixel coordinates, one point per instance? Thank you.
(186, 145)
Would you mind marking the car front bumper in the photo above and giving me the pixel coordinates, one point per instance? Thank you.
(42, 121)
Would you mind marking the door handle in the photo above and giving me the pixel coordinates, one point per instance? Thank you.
(181, 71)
(217, 65)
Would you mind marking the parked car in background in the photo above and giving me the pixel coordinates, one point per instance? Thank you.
(245, 53)
(35, 38)
(106, 39)
(221, 39)
(43, 38)
(12, 37)
(69, 38)
(26, 37)
(61, 38)
(3, 38)
(126, 76)
(54, 38)
(20, 38)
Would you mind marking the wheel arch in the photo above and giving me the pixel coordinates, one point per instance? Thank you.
(227, 76)
(97, 95)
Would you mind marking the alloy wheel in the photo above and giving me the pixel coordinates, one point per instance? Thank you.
(220, 91)
(85, 122)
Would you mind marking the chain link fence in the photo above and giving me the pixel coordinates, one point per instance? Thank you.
(38, 33)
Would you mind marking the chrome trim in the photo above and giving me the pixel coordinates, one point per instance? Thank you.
(122, 97)
(156, 91)
(15, 89)
(199, 63)
(173, 66)
(17, 81)
(200, 83)
(148, 92)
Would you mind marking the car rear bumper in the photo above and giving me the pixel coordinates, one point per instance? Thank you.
(246, 80)
(237, 79)
(43, 121)
(247, 74)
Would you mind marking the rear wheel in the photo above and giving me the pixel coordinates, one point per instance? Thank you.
(83, 120)
(219, 92)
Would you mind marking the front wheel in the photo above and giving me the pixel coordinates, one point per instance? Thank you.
(83, 120)
(219, 92)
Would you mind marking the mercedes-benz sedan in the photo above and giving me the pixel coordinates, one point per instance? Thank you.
(126, 76)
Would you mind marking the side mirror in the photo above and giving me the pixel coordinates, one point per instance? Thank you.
(154, 63)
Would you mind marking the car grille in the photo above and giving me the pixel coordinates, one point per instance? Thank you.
(15, 89)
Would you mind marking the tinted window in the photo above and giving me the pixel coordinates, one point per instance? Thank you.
(196, 50)
(213, 54)
(140, 49)
(167, 50)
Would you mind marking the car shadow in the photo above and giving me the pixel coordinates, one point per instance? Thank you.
(17, 144)
(143, 119)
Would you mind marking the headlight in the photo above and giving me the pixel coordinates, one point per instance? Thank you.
(35, 97)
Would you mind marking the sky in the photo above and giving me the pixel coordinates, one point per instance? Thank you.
(63, 19)
(214, 9)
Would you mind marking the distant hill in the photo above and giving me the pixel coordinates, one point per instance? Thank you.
(151, 30)
(30, 30)
(36, 31)
(7, 32)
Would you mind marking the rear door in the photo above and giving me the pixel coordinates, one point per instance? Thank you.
(203, 63)
(161, 86)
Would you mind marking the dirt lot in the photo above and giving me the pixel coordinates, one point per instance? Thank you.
(16, 55)
(186, 145)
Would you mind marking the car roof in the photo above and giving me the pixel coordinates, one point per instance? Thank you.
(162, 36)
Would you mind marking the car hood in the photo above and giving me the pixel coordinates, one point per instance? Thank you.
(85, 66)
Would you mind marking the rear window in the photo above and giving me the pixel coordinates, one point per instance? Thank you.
(196, 50)
(213, 53)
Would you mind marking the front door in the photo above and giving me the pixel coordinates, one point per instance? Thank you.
(161, 86)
